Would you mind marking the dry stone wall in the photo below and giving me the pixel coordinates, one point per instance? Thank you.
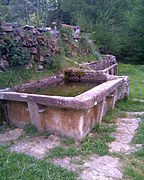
(35, 41)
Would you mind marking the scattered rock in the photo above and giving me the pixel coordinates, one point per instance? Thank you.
(29, 66)
(40, 67)
(44, 29)
(74, 53)
(15, 24)
(34, 50)
(138, 146)
(42, 58)
(27, 27)
(4, 65)
(7, 27)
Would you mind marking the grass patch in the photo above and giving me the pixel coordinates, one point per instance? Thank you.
(133, 168)
(31, 130)
(68, 141)
(61, 152)
(3, 129)
(56, 64)
(113, 114)
(19, 76)
(19, 166)
(136, 85)
(84, 59)
(95, 144)
(130, 105)
(134, 164)
(136, 78)
(139, 136)
(103, 130)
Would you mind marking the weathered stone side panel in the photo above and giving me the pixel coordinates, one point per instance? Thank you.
(122, 92)
(62, 121)
(90, 120)
(18, 113)
(108, 60)
(67, 122)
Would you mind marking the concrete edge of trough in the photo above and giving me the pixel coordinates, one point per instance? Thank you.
(84, 101)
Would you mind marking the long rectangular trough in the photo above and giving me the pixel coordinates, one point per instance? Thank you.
(74, 116)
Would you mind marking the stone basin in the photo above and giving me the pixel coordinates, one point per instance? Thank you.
(72, 117)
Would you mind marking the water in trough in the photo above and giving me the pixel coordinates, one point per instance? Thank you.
(67, 90)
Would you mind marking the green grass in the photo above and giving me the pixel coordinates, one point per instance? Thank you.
(91, 145)
(68, 141)
(134, 168)
(84, 59)
(136, 85)
(130, 105)
(31, 130)
(18, 76)
(136, 77)
(19, 166)
(139, 136)
(112, 115)
(134, 164)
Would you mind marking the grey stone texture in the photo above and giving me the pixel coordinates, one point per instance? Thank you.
(37, 147)
(105, 167)
(10, 135)
(125, 131)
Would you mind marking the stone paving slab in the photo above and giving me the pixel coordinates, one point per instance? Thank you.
(68, 163)
(134, 113)
(94, 167)
(105, 167)
(10, 135)
(37, 147)
(126, 128)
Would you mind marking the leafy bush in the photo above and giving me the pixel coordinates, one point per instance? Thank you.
(53, 62)
(14, 52)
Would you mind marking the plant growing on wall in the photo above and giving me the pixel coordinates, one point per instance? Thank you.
(13, 52)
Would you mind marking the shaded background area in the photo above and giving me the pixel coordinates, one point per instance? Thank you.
(116, 26)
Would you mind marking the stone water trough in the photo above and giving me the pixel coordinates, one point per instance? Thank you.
(72, 117)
